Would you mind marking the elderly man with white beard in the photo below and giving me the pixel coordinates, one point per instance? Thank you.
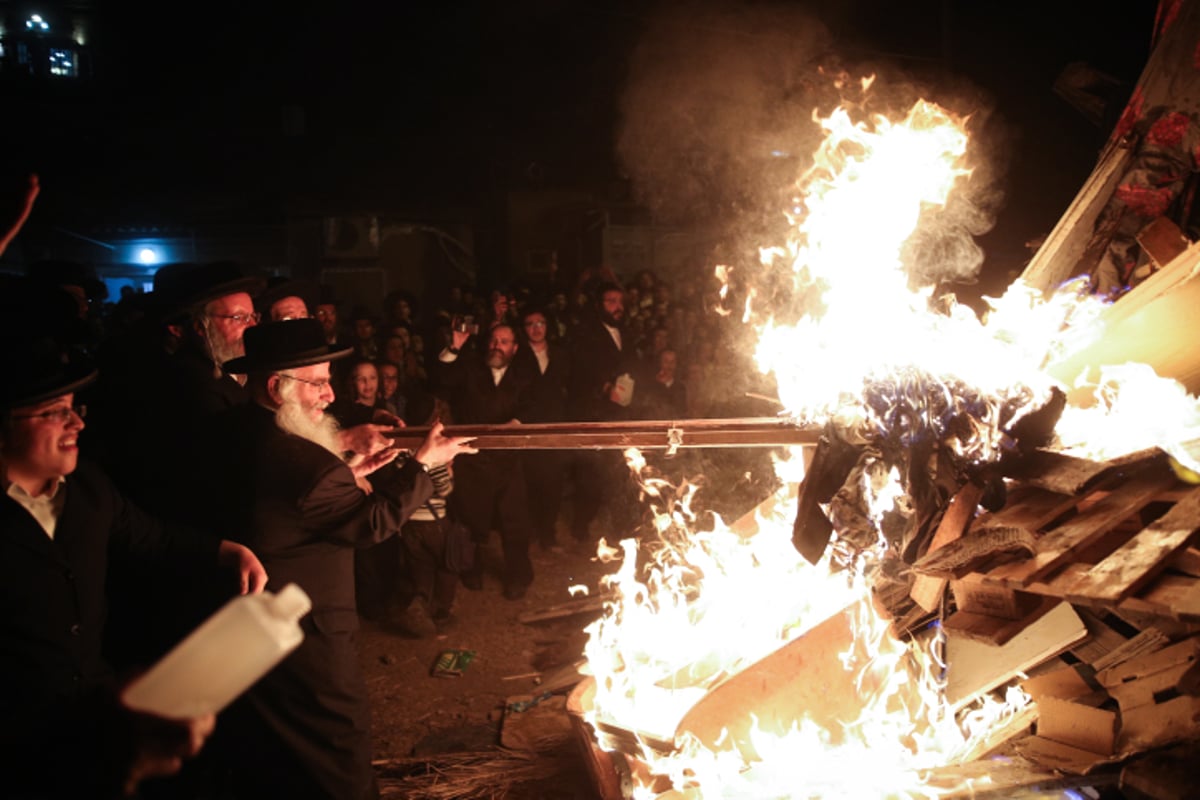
(303, 731)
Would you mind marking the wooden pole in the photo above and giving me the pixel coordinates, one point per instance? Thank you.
(667, 435)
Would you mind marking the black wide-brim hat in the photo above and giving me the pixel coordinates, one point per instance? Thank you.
(69, 273)
(181, 287)
(288, 343)
(41, 370)
(279, 288)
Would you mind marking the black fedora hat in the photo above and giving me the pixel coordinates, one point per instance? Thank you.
(326, 295)
(281, 287)
(285, 344)
(160, 302)
(182, 286)
(42, 370)
(32, 309)
(69, 273)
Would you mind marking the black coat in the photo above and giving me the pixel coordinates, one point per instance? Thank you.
(53, 676)
(596, 364)
(474, 396)
(162, 406)
(304, 729)
(547, 393)
(200, 390)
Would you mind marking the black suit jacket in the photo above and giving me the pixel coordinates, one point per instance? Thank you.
(475, 398)
(597, 362)
(547, 392)
(52, 618)
(304, 729)
(297, 506)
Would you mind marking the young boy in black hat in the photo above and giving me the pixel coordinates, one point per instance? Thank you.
(61, 521)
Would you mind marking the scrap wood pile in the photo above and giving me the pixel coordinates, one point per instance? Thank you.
(1082, 576)
(1084, 566)
(1086, 577)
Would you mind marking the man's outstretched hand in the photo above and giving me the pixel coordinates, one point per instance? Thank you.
(440, 449)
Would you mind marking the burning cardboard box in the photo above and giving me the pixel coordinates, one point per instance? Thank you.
(1122, 710)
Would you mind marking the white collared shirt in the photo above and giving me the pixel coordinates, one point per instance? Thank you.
(44, 508)
(498, 375)
(615, 333)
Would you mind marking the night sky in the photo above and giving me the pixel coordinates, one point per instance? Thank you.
(200, 111)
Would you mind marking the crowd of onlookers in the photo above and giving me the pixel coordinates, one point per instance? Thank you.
(242, 422)
(673, 328)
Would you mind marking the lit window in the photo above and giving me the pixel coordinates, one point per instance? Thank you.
(62, 62)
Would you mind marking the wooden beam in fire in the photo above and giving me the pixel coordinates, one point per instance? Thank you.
(669, 435)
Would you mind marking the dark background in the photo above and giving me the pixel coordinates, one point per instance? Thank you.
(219, 111)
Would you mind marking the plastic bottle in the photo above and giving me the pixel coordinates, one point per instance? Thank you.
(223, 657)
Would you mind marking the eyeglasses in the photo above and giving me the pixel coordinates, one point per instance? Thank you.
(535, 324)
(62, 414)
(241, 319)
(321, 385)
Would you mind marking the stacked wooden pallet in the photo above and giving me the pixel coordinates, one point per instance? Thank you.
(1111, 537)
(1115, 541)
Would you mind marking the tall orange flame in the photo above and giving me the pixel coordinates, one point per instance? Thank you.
(861, 345)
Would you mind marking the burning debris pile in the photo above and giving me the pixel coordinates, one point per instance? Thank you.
(928, 432)
(880, 608)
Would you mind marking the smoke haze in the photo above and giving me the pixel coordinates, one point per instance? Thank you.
(716, 124)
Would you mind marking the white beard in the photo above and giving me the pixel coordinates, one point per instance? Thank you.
(293, 418)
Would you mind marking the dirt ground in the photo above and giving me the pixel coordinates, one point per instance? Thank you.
(419, 718)
(420, 721)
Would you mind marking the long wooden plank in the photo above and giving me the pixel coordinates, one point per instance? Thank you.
(1057, 546)
(1060, 473)
(646, 434)
(1061, 582)
(806, 678)
(1032, 509)
(1058, 255)
(927, 590)
(1139, 560)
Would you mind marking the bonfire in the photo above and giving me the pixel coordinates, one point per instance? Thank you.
(923, 403)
